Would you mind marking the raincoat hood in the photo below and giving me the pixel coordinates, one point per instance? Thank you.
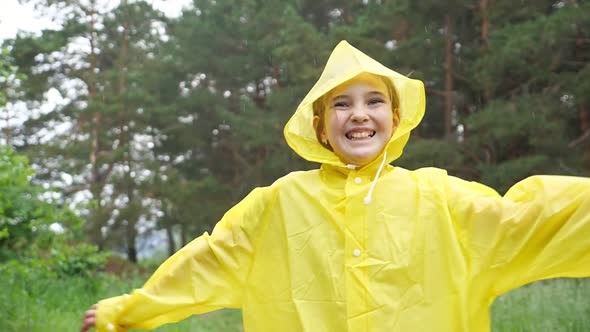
(345, 63)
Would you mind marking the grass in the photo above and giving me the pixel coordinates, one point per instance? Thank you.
(32, 304)
(35, 303)
(558, 305)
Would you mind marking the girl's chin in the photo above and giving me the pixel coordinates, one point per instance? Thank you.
(359, 159)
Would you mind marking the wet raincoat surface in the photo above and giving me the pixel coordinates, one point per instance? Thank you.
(429, 252)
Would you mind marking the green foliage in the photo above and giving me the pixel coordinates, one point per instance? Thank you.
(176, 119)
(518, 127)
(503, 175)
(24, 217)
(75, 260)
(533, 53)
(61, 261)
(432, 153)
(516, 138)
(4, 74)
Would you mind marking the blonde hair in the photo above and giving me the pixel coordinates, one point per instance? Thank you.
(319, 108)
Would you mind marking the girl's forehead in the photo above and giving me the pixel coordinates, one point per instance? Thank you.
(373, 81)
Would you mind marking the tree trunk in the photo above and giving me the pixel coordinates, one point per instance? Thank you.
(96, 181)
(183, 235)
(484, 6)
(584, 118)
(449, 80)
(131, 231)
(170, 238)
(131, 235)
(485, 23)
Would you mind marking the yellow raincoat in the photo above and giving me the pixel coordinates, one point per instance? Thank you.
(424, 252)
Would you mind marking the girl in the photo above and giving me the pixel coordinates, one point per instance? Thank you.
(360, 245)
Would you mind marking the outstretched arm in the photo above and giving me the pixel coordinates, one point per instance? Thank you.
(540, 229)
(207, 274)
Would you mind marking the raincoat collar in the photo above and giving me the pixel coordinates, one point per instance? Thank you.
(344, 63)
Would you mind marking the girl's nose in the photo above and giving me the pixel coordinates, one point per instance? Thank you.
(359, 114)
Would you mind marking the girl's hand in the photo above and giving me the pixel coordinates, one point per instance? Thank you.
(89, 319)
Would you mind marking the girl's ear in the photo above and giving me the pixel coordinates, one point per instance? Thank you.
(322, 135)
(316, 122)
(396, 119)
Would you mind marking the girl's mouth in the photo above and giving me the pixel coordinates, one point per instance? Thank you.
(357, 135)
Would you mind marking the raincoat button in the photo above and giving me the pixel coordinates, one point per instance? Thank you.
(356, 253)
(358, 180)
(110, 327)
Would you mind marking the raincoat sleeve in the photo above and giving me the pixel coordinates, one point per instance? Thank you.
(540, 229)
(207, 274)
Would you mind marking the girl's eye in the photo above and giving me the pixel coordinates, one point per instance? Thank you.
(376, 101)
(340, 104)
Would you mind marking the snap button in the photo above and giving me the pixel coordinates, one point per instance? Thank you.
(356, 253)
(110, 327)
(358, 180)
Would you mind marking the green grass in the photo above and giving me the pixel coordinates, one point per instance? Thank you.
(31, 302)
(558, 305)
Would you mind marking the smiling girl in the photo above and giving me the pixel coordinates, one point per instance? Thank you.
(357, 118)
(361, 245)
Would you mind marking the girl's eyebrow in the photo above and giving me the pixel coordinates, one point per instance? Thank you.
(376, 92)
(343, 96)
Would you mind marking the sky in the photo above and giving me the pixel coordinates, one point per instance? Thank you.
(15, 17)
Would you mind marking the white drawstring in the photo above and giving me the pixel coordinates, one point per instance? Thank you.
(367, 199)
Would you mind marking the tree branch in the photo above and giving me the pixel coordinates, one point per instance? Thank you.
(585, 136)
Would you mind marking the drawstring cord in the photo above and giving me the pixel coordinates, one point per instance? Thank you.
(368, 198)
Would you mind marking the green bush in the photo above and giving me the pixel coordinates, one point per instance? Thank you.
(76, 260)
(25, 218)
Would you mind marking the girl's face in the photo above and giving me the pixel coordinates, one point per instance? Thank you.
(359, 120)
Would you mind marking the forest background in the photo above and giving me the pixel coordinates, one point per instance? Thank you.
(127, 133)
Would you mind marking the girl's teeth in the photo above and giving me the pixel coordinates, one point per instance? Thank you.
(360, 134)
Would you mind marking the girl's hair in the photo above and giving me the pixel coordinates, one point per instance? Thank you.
(319, 108)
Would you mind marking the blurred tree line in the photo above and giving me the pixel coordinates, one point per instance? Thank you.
(142, 122)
